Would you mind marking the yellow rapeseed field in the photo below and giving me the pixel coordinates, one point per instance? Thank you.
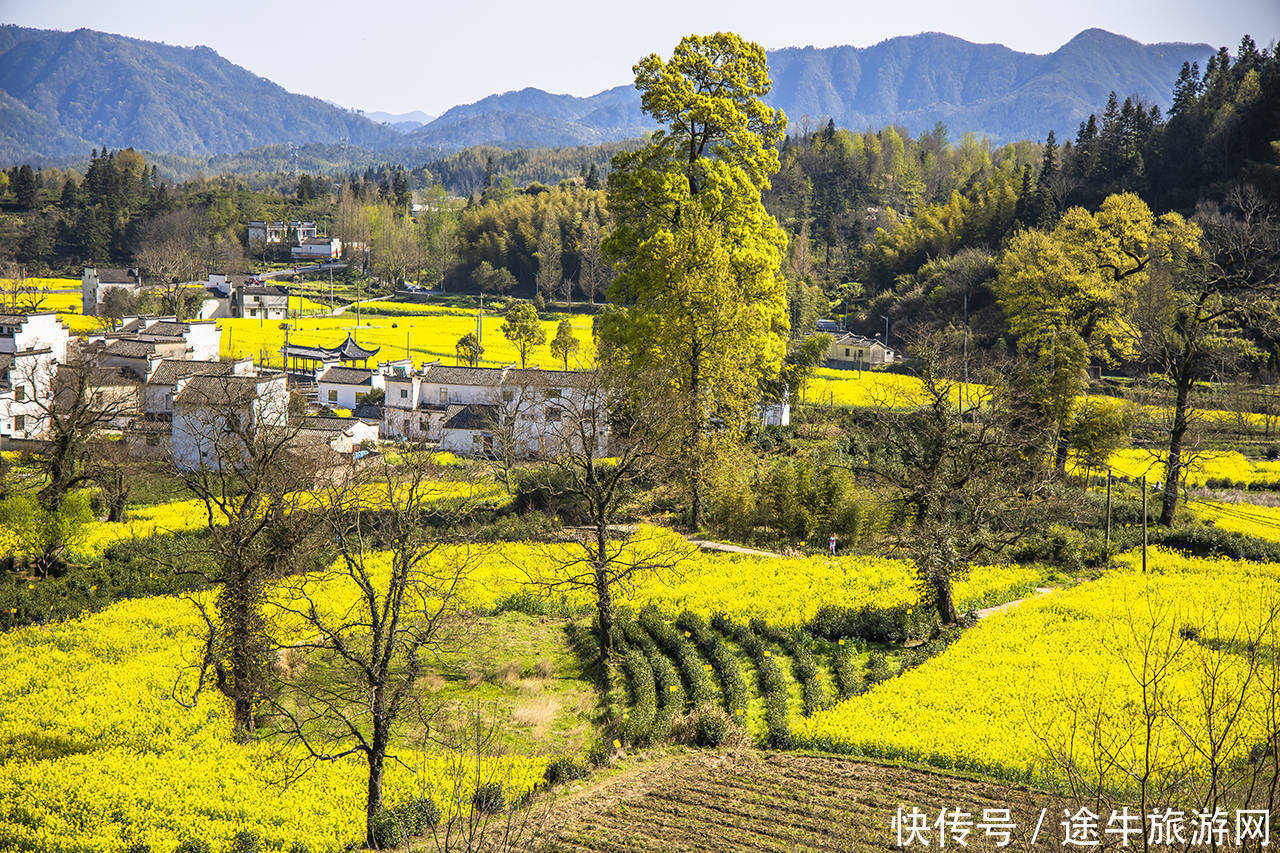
(92, 539)
(1002, 699)
(97, 753)
(423, 337)
(1232, 465)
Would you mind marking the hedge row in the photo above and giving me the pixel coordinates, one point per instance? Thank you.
(733, 685)
(773, 686)
(679, 645)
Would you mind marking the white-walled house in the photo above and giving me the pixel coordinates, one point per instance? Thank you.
(31, 348)
(164, 381)
(854, 352)
(212, 415)
(345, 387)
(260, 301)
(341, 435)
(318, 248)
(415, 405)
(195, 340)
(484, 410)
(96, 282)
(30, 332)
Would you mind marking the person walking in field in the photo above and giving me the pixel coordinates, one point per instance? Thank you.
(831, 543)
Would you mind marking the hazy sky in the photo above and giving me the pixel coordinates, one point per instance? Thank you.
(430, 55)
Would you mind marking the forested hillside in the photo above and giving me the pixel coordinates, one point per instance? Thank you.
(68, 92)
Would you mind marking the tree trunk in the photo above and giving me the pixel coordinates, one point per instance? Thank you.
(604, 606)
(942, 596)
(373, 795)
(1173, 466)
(1060, 450)
(695, 463)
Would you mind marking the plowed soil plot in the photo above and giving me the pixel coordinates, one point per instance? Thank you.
(780, 802)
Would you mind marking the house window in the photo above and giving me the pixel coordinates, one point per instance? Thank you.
(19, 423)
(553, 414)
(20, 393)
(508, 395)
(333, 396)
(253, 312)
(404, 393)
(444, 395)
(846, 352)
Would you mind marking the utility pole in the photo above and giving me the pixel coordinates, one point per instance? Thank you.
(1108, 511)
(1144, 524)
(886, 330)
(964, 388)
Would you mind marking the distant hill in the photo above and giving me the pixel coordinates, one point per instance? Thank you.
(403, 122)
(62, 94)
(915, 81)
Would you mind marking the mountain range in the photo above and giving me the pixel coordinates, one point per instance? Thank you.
(63, 93)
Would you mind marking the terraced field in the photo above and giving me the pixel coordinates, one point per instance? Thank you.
(754, 801)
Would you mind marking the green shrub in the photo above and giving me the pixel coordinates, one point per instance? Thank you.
(848, 681)
(193, 845)
(711, 725)
(1202, 540)
(419, 815)
(773, 685)
(878, 668)
(545, 490)
(245, 841)
(639, 726)
(387, 829)
(868, 624)
(670, 692)
(489, 798)
(806, 672)
(676, 645)
(564, 768)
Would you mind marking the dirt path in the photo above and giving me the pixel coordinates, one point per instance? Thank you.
(704, 544)
(987, 611)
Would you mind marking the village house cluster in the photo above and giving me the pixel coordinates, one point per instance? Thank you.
(161, 384)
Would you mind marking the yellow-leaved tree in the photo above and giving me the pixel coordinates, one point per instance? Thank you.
(698, 257)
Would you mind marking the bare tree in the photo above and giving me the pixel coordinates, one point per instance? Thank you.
(75, 404)
(167, 250)
(1192, 720)
(235, 452)
(1205, 300)
(15, 295)
(963, 472)
(600, 446)
(403, 587)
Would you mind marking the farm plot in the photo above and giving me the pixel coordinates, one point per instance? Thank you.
(773, 802)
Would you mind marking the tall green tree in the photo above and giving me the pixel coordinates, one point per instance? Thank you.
(564, 344)
(698, 257)
(524, 330)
